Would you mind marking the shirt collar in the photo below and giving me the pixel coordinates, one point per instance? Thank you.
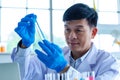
(83, 57)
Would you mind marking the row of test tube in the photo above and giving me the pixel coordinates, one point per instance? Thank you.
(67, 76)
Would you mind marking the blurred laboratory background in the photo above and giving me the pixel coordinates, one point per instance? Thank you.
(49, 16)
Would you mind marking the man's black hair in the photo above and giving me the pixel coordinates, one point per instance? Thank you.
(81, 11)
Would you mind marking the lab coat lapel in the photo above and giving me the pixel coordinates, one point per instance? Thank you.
(84, 66)
(90, 61)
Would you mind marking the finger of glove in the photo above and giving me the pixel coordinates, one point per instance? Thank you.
(30, 23)
(21, 29)
(53, 47)
(45, 48)
(56, 47)
(25, 38)
(45, 59)
(48, 44)
(41, 56)
(33, 16)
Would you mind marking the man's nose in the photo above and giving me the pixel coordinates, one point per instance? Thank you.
(72, 35)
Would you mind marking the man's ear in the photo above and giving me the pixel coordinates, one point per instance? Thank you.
(94, 32)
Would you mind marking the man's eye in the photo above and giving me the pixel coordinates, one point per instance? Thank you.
(78, 30)
(67, 30)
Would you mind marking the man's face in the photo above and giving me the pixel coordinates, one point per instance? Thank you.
(78, 35)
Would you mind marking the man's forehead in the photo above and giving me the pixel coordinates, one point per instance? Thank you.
(76, 22)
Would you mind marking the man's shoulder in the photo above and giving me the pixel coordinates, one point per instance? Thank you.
(106, 56)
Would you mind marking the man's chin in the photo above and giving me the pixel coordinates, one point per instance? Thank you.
(74, 48)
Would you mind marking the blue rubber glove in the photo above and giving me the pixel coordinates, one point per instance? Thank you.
(53, 57)
(26, 29)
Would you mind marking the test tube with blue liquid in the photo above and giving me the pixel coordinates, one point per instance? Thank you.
(40, 32)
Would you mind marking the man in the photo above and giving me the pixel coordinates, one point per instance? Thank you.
(80, 55)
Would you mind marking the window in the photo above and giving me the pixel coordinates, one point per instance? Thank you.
(107, 12)
(49, 16)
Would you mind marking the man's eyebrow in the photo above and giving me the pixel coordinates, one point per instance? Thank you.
(65, 24)
(79, 26)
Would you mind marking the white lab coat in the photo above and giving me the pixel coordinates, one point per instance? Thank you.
(105, 66)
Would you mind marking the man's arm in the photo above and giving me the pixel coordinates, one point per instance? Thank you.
(21, 56)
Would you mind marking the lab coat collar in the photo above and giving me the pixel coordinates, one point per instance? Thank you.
(90, 60)
(91, 57)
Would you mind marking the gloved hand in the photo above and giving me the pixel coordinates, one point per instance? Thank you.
(26, 29)
(53, 56)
